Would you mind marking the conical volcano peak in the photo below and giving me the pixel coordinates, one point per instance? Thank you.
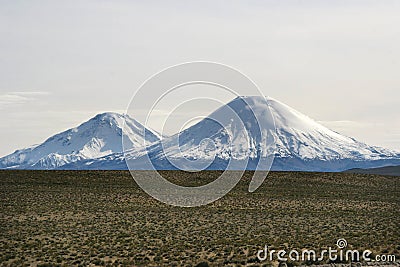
(99, 136)
(248, 108)
(110, 117)
(246, 102)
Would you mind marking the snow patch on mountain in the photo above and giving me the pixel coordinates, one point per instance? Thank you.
(98, 137)
(298, 136)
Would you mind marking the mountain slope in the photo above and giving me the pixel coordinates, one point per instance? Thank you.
(301, 143)
(388, 170)
(304, 144)
(98, 137)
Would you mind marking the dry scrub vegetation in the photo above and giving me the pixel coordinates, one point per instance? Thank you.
(82, 218)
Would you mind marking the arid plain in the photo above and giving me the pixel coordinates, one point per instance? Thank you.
(97, 218)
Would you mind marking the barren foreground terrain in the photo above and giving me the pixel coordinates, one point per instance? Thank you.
(50, 218)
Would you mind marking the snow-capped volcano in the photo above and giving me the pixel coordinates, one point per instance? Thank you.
(245, 128)
(300, 142)
(98, 137)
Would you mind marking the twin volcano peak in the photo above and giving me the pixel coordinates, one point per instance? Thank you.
(300, 142)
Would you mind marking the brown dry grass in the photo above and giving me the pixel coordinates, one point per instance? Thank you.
(102, 218)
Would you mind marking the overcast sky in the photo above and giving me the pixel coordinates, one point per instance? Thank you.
(61, 62)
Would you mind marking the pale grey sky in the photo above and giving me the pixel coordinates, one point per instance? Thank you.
(61, 62)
